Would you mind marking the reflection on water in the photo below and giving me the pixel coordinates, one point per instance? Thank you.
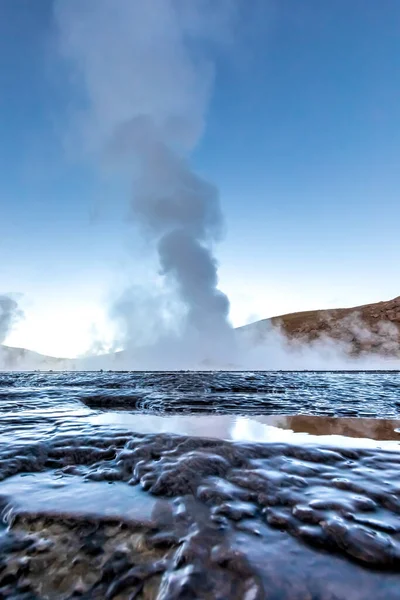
(376, 429)
(303, 429)
(240, 406)
(276, 428)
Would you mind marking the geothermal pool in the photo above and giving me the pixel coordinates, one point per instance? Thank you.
(200, 485)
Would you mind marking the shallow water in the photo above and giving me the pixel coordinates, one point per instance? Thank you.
(200, 485)
(340, 394)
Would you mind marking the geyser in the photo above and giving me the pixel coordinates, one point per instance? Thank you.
(146, 69)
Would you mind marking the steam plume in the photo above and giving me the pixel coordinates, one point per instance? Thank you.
(10, 313)
(147, 73)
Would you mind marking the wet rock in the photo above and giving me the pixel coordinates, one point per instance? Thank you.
(302, 500)
(172, 478)
(363, 544)
(236, 510)
(305, 514)
(278, 518)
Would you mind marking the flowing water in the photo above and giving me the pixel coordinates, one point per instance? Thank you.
(200, 485)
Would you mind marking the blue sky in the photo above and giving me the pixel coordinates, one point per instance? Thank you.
(302, 138)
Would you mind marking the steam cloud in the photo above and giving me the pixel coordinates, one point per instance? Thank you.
(10, 313)
(146, 69)
(147, 72)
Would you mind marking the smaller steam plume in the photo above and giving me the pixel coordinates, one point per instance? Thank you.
(10, 314)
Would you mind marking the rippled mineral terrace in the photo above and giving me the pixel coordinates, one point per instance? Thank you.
(200, 485)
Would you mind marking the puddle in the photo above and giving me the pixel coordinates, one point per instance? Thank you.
(301, 429)
(51, 493)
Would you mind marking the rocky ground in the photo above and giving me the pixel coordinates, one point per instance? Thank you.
(220, 520)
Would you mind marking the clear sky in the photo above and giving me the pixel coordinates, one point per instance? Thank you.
(302, 138)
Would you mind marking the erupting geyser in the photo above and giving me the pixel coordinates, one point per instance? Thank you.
(147, 79)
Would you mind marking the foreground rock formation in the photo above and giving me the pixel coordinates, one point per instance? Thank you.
(197, 518)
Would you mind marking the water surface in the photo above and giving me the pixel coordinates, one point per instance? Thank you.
(200, 485)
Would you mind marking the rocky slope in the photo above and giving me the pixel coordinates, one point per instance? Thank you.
(370, 328)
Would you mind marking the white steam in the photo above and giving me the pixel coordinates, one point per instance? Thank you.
(351, 345)
(10, 314)
(146, 72)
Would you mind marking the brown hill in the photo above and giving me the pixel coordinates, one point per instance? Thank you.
(370, 328)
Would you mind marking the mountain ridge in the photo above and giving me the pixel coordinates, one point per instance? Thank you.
(368, 328)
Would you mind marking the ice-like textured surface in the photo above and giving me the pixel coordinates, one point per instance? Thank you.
(208, 504)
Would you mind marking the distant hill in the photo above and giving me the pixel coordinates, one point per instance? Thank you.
(366, 329)
(370, 328)
(21, 359)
